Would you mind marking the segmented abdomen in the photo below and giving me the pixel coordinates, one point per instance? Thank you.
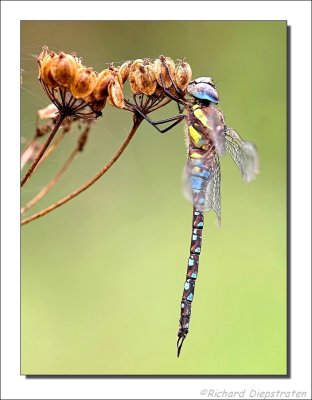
(191, 275)
(200, 176)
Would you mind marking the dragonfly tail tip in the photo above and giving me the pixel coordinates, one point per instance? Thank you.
(179, 344)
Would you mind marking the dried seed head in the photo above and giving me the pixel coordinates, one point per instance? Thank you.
(101, 87)
(145, 79)
(133, 85)
(136, 64)
(115, 94)
(116, 74)
(64, 69)
(183, 75)
(133, 69)
(44, 53)
(124, 70)
(46, 70)
(84, 82)
(164, 69)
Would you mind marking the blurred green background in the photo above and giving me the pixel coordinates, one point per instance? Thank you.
(102, 276)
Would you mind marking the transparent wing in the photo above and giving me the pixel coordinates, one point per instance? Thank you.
(213, 198)
(208, 196)
(243, 153)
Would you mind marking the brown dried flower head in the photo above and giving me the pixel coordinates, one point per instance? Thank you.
(45, 72)
(164, 71)
(133, 69)
(183, 75)
(69, 84)
(145, 79)
(115, 94)
(124, 70)
(116, 74)
(84, 82)
(63, 69)
(101, 86)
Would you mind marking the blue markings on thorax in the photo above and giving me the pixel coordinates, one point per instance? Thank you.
(197, 183)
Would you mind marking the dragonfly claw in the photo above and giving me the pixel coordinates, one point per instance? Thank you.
(180, 343)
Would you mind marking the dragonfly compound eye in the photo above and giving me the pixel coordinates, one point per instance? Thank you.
(202, 90)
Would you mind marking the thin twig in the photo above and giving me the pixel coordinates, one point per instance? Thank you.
(79, 147)
(58, 123)
(52, 182)
(136, 124)
(54, 145)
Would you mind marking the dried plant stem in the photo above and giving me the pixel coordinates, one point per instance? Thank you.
(136, 124)
(54, 145)
(58, 123)
(52, 182)
(79, 147)
(29, 152)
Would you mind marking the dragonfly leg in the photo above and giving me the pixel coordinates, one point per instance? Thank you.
(177, 119)
(179, 101)
(172, 80)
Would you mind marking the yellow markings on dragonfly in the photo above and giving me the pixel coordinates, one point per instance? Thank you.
(195, 135)
(201, 116)
(196, 155)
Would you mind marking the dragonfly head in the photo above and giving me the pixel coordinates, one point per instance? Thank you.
(203, 89)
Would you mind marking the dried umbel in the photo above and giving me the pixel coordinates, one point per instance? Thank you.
(154, 84)
(69, 84)
(75, 88)
(164, 71)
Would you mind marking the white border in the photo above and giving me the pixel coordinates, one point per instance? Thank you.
(297, 13)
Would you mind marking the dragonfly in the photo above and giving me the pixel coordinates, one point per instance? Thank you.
(207, 138)
(153, 85)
